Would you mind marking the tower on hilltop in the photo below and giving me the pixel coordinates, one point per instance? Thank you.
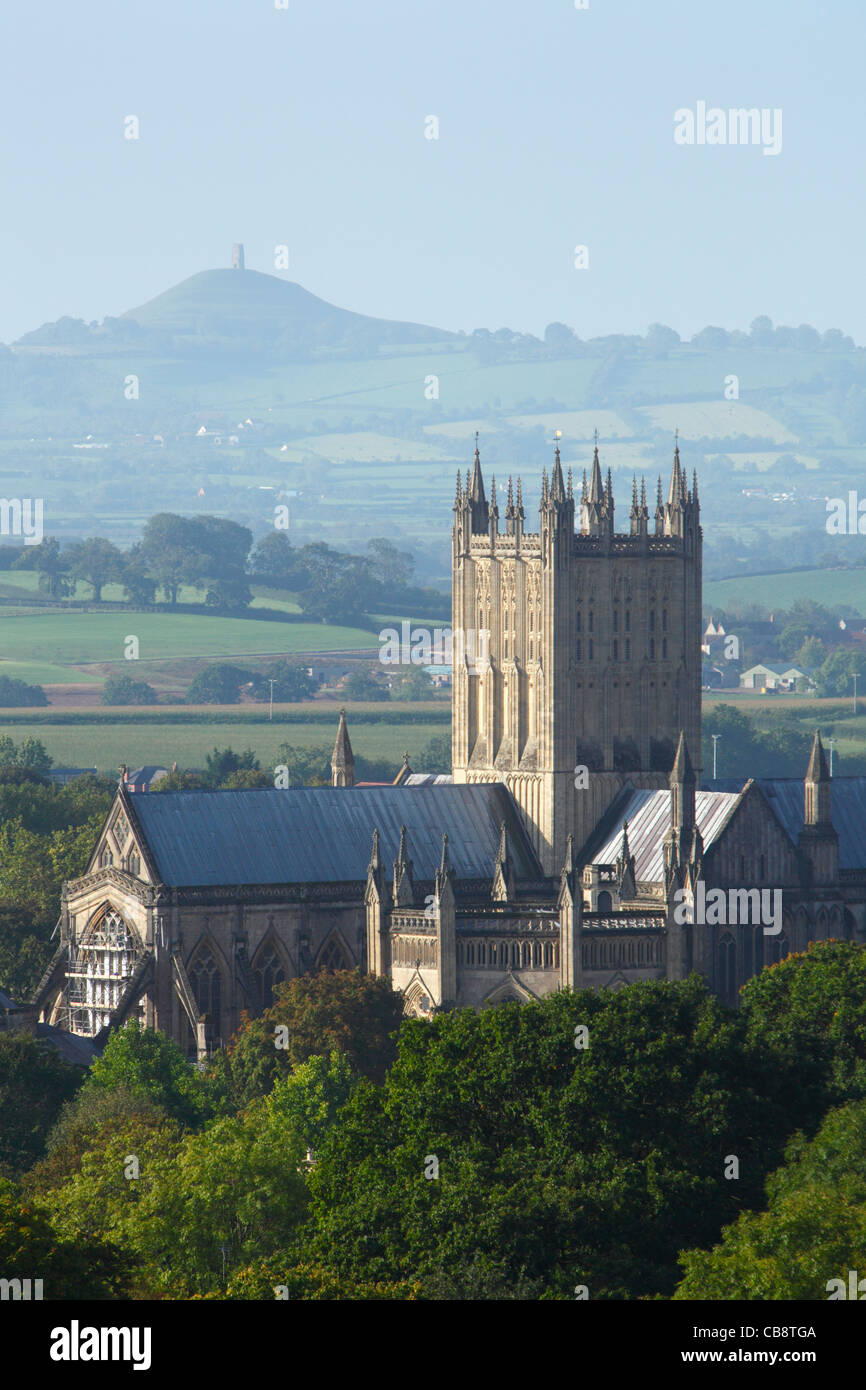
(238, 256)
(577, 651)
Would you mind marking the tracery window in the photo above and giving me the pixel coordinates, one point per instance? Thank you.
(269, 972)
(331, 957)
(206, 981)
(100, 966)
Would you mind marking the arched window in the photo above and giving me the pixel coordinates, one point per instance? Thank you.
(206, 981)
(269, 972)
(331, 956)
(778, 948)
(106, 858)
(605, 902)
(758, 948)
(728, 970)
(100, 966)
(652, 649)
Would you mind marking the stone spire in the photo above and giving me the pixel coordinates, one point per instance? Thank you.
(817, 786)
(503, 872)
(675, 491)
(404, 889)
(682, 786)
(493, 511)
(558, 485)
(660, 510)
(477, 499)
(342, 758)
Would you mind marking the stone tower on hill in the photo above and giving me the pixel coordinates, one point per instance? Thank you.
(579, 661)
(238, 256)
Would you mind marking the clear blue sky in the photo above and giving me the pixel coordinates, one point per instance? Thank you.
(306, 127)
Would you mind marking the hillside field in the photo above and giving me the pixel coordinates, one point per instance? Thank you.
(106, 746)
(829, 587)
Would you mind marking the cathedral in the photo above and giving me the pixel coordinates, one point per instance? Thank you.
(570, 845)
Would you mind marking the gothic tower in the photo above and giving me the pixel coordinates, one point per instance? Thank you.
(576, 648)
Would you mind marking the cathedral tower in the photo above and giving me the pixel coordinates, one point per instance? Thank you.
(576, 648)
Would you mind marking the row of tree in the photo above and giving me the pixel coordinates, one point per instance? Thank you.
(644, 1143)
(217, 557)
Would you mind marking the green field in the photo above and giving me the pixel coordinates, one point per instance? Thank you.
(45, 673)
(107, 746)
(830, 587)
(79, 638)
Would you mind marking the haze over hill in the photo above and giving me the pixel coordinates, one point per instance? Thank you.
(240, 307)
(235, 390)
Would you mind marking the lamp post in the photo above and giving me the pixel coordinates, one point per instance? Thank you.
(271, 681)
(715, 738)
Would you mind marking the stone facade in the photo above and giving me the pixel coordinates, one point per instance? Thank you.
(568, 849)
(576, 647)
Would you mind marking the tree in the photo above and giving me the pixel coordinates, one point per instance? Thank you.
(228, 591)
(234, 1194)
(169, 554)
(812, 1233)
(31, 752)
(660, 339)
(96, 561)
(69, 1270)
(360, 685)
(559, 336)
(792, 638)
(273, 560)
(835, 676)
(336, 586)
(138, 585)
(812, 654)
(180, 780)
(390, 566)
(223, 762)
(340, 1011)
(218, 684)
(149, 1064)
(435, 756)
(122, 690)
(291, 683)
(308, 767)
(15, 694)
(811, 1010)
(33, 867)
(761, 331)
(415, 684)
(52, 566)
(34, 1085)
(553, 1163)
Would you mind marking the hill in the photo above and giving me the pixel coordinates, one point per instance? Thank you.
(246, 303)
(235, 391)
(233, 307)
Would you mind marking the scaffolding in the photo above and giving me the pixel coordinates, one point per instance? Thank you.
(99, 969)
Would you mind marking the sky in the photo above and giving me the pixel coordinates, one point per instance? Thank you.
(307, 126)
